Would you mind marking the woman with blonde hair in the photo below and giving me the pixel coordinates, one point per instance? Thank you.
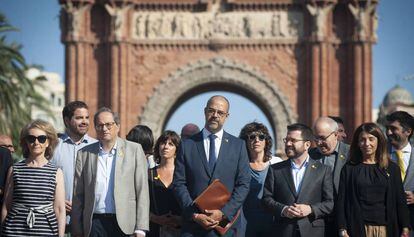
(34, 201)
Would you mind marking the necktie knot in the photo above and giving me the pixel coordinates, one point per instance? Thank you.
(212, 137)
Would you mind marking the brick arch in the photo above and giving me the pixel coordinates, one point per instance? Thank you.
(218, 73)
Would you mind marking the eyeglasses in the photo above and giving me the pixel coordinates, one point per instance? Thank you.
(220, 113)
(323, 139)
(254, 136)
(108, 126)
(292, 140)
(31, 139)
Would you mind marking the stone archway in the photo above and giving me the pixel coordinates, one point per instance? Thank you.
(239, 78)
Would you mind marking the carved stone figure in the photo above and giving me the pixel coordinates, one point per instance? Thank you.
(361, 16)
(74, 19)
(117, 19)
(319, 15)
(140, 26)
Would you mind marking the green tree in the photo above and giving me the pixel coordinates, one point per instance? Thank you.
(17, 93)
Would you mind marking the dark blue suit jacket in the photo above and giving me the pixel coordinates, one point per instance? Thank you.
(192, 176)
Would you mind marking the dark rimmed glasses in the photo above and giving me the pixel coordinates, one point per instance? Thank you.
(220, 113)
(31, 138)
(323, 139)
(108, 126)
(292, 140)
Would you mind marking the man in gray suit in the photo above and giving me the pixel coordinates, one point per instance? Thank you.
(329, 151)
(333, 153)
(399, 129)
(111, 195)
(298, 191)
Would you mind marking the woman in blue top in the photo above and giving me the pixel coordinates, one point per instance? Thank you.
(259, 145)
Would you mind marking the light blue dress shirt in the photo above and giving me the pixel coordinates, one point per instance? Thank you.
(298, 172)
(105, 179)
(64, 158)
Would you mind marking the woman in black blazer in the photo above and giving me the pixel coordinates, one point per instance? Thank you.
(371, 200)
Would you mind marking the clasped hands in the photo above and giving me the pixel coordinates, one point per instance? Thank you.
(297, 211)
(209, 219)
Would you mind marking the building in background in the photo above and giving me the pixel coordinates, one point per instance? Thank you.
(296, 60)
(396, 99)
(50, 86)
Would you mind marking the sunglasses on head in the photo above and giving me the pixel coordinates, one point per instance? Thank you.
(41, 139)
(260, 136)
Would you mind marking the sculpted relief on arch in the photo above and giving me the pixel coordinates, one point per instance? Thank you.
(281, 24)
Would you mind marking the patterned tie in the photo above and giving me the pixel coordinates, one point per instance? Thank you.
(400, 160)
(212, 152)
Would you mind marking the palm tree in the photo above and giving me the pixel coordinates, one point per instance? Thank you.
(17, 93)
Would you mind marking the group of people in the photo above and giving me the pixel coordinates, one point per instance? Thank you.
(74, 184)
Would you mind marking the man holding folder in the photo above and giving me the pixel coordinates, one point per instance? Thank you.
(209, 155)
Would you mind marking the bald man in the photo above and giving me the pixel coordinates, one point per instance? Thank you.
(189, 130)
(333, 153)
(211, 154)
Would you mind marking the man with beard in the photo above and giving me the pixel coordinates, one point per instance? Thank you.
(208, 155)
(399, 129)
(76, 119)
(298, 191)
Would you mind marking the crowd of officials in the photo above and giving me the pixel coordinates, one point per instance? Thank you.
(71, 184)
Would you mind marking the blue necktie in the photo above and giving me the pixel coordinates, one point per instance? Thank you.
(212, 152)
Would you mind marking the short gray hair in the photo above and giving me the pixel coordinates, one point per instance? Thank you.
(332, 124)
(106, 109)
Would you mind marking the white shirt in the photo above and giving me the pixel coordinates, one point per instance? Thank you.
(298, 172)
(406, 155)
(104, 188)
(206, 142)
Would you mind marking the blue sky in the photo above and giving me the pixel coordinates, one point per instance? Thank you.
(39, 34)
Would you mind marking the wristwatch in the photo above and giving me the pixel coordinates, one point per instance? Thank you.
(342, 232)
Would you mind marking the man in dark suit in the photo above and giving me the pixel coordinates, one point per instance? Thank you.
(298, 191)
(209, 155)
(5, 162)
(399, 129)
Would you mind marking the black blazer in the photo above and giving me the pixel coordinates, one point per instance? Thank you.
(348, 210)
(5, 162)
(316, 191)
(192, 176)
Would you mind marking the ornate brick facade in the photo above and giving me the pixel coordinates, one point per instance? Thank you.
(297, 60)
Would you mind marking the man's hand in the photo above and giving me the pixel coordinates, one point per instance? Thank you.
(138, 235)
(410, 197)
(305, 210)
(215, 214)
(205, 221)
(68, 206)
(291, 212)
